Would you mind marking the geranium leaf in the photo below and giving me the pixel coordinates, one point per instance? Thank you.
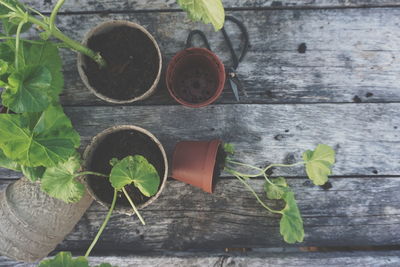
(28, 90)
(291, 224)
(60, 181)
(229, 149)
(138, 171)
(47, 54)
(33, 173)
(277, 189)
(7, 163)
(208, 11)
(38, 139)
(64, 259)
(319, 163)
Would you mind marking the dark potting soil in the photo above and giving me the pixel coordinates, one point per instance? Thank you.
(196, 83)
(219, 164)
(120, 145)
(132, 63)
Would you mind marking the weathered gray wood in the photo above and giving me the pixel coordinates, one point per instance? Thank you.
(375, 258)
(354, 212)
(350, 52)
(365, 137)
(111, 5)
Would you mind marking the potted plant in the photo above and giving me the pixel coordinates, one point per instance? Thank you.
(123, 169)
(133, 59)
(120, 142)
(199, 164)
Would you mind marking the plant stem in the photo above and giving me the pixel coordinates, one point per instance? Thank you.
(244, 164)
(103, 226)
(72, 44)
(283, 165)
(91, 173)
(257, 197)
(133, 206)
(17, 44)
(54, 13)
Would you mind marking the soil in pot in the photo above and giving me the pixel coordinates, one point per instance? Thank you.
(132, 63)
(196, 84)
(119, 145)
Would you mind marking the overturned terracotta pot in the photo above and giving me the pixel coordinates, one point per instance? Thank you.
(195, 77)
(194, 162)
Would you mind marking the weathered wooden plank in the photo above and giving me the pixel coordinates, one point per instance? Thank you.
(365, 137)
(131, 5)
(351, 54)
(356, 211)
(359, 258)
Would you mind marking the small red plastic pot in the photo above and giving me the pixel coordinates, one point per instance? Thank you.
(194, 162)
(195, 77)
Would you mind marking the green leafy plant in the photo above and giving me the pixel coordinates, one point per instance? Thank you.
(64, 259)
(131, 170)
(208, 11)
(36, 137)
(318, 165)
(18, 17)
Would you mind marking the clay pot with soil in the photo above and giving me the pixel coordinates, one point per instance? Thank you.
(133, 60)
(195, 77)
(198, 163)
(32, 222)
(119, 142)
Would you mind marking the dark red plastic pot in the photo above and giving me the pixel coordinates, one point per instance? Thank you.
(194, 161)
(195, 77)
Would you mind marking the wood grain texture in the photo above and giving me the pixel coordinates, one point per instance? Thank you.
(138, 5)
(377, 258)
(354, 212)
(365, 137)
(350, 54)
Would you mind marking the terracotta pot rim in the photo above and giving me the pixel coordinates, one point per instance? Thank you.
(93, 144)
(217, 93)
(81, 61)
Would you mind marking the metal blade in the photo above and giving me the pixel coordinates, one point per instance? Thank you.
(234, 89)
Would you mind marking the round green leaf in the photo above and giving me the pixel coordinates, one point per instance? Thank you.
(136, 170)
(28, 90)
(60, 181)
(208, 11)
(38, 139)
(319, 163)
(291, 224)
(277, 189)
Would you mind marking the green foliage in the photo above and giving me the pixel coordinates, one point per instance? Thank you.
(291, 225)
(28, 90)
(229, 149)
(64, 259)
(38, 139)
(319, 163)
(138, 171)
(60, 181)
(276, 188)
(8, 163)
(33, 173)
(208, 11)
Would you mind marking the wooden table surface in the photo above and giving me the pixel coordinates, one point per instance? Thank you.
(343, 90)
